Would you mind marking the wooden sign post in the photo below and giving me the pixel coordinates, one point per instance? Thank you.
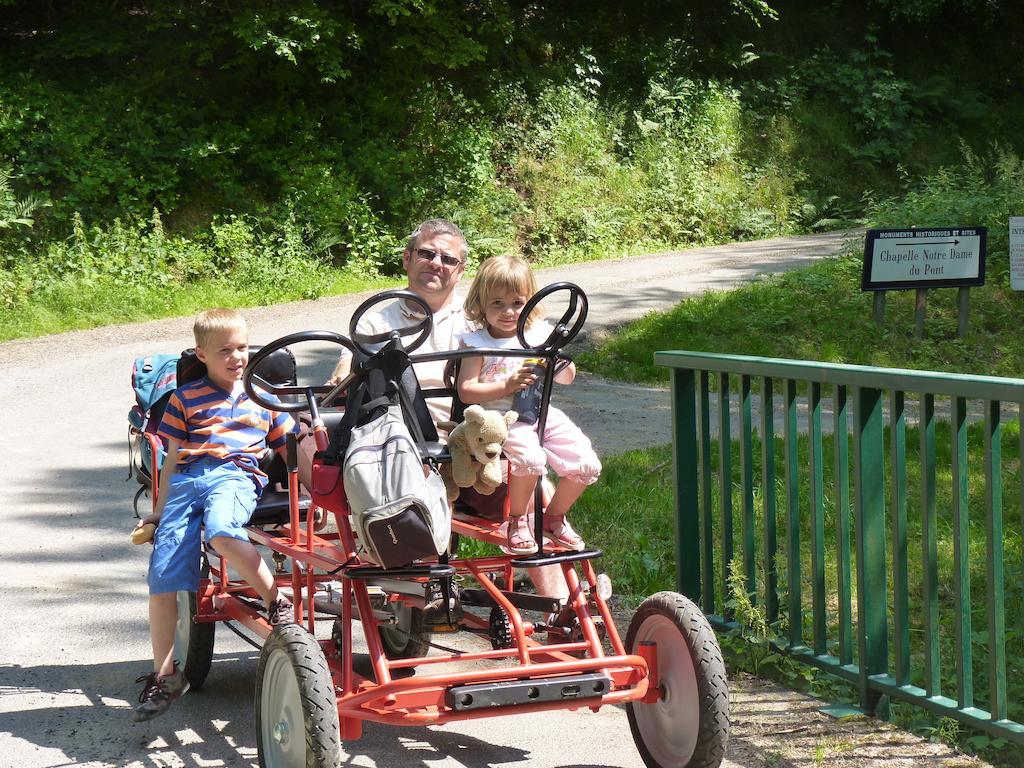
(919, 259)
(1017, 253)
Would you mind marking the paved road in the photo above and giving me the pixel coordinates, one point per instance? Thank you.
(73, 635)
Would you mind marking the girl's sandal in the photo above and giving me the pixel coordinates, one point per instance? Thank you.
(519, 538)
(557, 529)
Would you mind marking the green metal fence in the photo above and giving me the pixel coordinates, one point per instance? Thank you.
(866, 555)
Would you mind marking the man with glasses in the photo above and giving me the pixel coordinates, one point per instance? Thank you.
(434, 261)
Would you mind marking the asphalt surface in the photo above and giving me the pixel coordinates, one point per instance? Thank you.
(73, 633)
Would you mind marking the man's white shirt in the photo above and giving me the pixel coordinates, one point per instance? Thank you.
(449, 323)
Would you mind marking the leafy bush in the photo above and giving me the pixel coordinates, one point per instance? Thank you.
(272, 265)
(596, 180)
(984, 189)
(820, 313)
(313, 138)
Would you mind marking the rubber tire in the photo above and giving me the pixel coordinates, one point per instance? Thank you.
(295, 694)
(410, 640)
(193, 643)
(692, 676)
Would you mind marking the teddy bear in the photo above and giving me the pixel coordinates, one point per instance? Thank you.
(475, 446)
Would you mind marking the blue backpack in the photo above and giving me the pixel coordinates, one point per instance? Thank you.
(154, 377)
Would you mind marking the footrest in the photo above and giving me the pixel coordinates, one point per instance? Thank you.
(427, 570)
(485, 695)
(558, 556)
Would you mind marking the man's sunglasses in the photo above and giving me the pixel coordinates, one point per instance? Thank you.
(446, 258)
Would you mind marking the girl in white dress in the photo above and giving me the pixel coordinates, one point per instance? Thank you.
(502, 287)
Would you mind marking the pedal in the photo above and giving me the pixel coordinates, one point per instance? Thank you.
(443, 629)
(524, 601)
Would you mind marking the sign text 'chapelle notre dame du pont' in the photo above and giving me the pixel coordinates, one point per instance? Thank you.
(896, 259)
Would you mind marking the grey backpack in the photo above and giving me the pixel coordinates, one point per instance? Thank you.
(399, 507)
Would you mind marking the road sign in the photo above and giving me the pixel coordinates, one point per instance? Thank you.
(1017, 253)
(896, 259)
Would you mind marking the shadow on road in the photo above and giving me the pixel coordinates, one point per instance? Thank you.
(86, 499)
(81, 714)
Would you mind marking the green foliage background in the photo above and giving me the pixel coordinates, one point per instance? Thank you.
(181, 144)
(820, 313)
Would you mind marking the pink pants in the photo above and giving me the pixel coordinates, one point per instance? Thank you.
(565, 448)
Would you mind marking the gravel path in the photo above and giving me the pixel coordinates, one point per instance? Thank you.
(74, 634)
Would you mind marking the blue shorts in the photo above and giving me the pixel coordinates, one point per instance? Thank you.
(210, 493)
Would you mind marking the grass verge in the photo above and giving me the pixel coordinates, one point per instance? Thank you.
(69, 306)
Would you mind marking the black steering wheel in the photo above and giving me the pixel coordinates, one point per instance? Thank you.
(421, 327)
(257, 387)
(567, 326)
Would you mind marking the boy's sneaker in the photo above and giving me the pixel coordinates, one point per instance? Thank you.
(281, 611)
(438, 616)
(159, 693)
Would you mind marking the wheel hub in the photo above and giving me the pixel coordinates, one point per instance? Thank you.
(281, 734)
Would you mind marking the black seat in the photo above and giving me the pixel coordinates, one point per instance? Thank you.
(272, 508)
(278, 368)
(389, 375)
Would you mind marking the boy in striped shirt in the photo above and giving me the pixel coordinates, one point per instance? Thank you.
(211, 480)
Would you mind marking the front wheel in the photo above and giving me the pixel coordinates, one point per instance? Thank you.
(193, 642)
(296, 710)
(688, 727)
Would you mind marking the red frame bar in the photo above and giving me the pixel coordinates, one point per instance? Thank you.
(420, 700)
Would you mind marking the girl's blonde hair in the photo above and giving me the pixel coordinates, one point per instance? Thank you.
(213, 321)
(499, 274)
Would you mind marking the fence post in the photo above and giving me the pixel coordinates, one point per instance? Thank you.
(684, 460)
(869, 543)
(771, 569)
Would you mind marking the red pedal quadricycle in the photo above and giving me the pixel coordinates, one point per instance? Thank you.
(544, 652)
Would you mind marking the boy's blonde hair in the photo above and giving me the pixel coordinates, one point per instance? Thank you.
(500, 273)
(211, 321)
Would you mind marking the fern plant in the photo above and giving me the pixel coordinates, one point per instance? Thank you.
(15, 212)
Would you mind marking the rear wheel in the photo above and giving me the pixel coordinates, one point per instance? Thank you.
(688, 727)
(406, 638)
(193, 643)
(296, 709)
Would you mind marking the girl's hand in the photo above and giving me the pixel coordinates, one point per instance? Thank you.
(521, 379)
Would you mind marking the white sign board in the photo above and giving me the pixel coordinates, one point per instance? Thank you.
(923, 258)
(1017, 253)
